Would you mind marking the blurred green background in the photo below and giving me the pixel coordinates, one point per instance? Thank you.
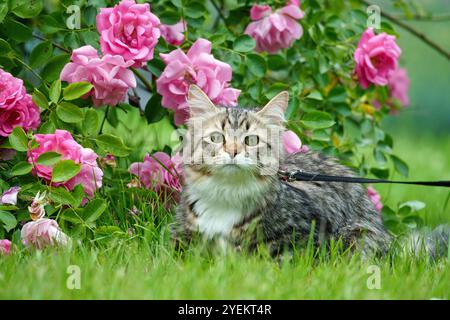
(429, 72)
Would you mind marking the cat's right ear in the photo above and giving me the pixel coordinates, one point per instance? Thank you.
(199, 103)
(274, 110)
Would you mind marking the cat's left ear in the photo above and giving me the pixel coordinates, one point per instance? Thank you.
(199, 103)
(273, 111)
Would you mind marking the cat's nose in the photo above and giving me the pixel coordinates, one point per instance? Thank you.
(231, 149)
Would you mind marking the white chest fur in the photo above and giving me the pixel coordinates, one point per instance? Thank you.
(223, 202)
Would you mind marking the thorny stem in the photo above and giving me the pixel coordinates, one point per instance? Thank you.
(53, 43)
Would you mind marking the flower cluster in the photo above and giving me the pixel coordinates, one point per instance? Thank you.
(197, 66)
(90, 175)
(277, 30)
(160, 173)
(109, 75)
(129, 30)
(16, 107)
(376, 59)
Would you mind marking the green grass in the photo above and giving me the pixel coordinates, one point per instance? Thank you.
(148, 269)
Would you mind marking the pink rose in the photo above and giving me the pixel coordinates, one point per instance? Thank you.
(399, 86)
(277, 30)
(198, 67)
(16, 107)
(90, 176)
(10, 196)
(11, 90)
(173, 34)
(5, 246)
(376, 58)
(43, 233)
(160, 173)
(375, 198)
(129, 30)
(109, 75)
(292, 143)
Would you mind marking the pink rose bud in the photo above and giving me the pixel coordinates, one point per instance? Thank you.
(375, 197)
(109, 75)
(291, 142)
(199, 67)
(129, 30)
(160, 173)
(36, 209)
(376, 58)
(108, 160)
(173, 34)
(16, 107)
(10, 196)
(90, 175)
(43, 233)
(277, 30)
(5, 247)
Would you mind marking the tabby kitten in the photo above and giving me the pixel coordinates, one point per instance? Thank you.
(233, 196)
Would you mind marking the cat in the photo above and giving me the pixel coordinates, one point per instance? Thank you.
(233, 197)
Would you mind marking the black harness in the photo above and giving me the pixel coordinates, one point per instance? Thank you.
(299, 175)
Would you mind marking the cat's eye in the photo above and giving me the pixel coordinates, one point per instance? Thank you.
(217, 137)
(251, 140)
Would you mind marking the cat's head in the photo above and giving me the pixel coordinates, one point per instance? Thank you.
(232, 140)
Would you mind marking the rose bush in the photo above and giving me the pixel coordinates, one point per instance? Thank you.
(113, 89)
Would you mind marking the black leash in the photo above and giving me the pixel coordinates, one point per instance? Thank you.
(299, 175)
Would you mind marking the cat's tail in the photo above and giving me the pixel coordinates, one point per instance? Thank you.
(433, 243)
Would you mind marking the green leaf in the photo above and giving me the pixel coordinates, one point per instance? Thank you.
(256, 64)
(62, 196)
(400, 166)
(47, 127)
(5, 48)
(78, 194)
(3, 10)
(55, 91)
(244, 43)
(49, 25)
(154, 112)
(317, 120)
(276, 62)
(94, 210)
(18, 139)
(69, 112)
(195, 10)
(315, 95)
(76, 90)
(8, 219)
(380, 173)
(40, 54)
(413, 205)
(16, 30)
(48, 158)
(169, 17)
(26, 9)
(65, 170)
(53, 68)
(40, 99)
(156, 66)
(21, 168)
(90, 123)
(113, 145)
